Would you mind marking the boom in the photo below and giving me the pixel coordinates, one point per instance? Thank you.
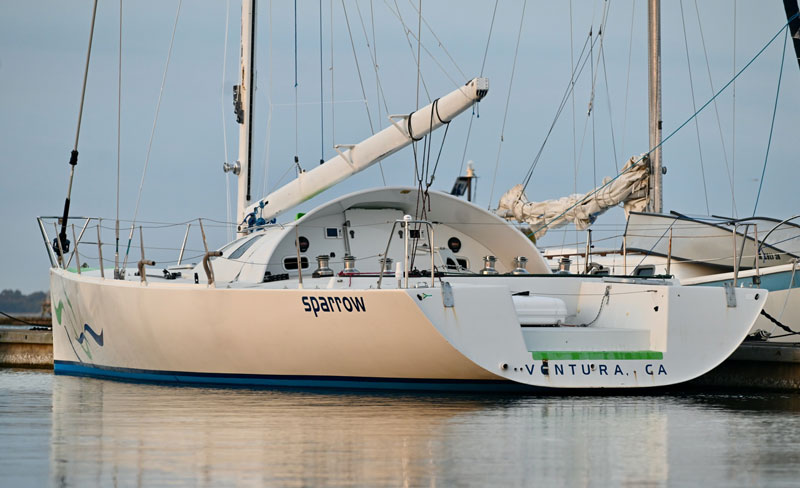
(404, 130)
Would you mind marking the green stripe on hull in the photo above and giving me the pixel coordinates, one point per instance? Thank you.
(585, 355)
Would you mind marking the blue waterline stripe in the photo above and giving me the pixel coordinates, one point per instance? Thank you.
(294, 381)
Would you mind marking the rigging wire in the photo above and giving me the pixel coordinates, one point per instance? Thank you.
(579, 67)
(466, 141)
(153, 131)
(73, 159)
(419, 63)
(21, 320)
(439, 41)
(407, 32)
(361, 80)
(270, 106)
(716, 111)
(222, 113)
(489, 39)
(419, 45)
(591, 94)
(378, 88)
(374, 59)
(610, 117)
(627, 79)
(772, 124)
(601, 37)
(424, 176)
(333, 105)
(483, 65)
(681, 126)
(321, 97)
(694, 107)
(296, 128)
(733, 115)
(574, 135)
(590, 114)
(508, 100)
(358, 69)
(119, 144)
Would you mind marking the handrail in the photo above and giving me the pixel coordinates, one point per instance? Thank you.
(100, 250)
(758, 251)
(75, 252)
(50, 253)
(183, 246)
(80, 236)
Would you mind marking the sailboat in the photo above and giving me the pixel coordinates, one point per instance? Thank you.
(760, 252)
(452, 298)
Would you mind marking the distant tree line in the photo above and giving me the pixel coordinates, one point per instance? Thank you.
(13, 301)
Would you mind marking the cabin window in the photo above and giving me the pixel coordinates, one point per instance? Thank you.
(458, 263)
(290, 263)
(244, 247)
(333, 233)
(647, 270)
(230, 245)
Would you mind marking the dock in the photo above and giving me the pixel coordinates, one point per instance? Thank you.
(26, 347)
(757, 365)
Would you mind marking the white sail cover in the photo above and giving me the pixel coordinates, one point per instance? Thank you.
(630, 188)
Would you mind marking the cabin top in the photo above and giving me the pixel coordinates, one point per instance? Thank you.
(359, 225)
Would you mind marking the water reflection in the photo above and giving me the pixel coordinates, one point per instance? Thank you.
(109, 433)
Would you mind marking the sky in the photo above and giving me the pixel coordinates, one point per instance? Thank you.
(43, 49)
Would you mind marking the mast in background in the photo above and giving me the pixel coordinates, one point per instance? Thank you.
(243, 106)
(654, 91)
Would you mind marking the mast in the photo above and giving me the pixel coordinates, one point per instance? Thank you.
(243, 106)
(655, 199)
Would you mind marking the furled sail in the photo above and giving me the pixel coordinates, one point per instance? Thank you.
(630, 188)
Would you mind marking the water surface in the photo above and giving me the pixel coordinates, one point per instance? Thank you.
(64, 431)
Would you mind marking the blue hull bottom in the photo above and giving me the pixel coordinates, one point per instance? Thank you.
(72, 368)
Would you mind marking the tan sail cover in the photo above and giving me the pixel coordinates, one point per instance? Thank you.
(630, 188)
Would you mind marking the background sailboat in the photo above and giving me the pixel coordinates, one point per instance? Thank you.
(703, 248)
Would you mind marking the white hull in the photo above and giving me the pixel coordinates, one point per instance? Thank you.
(782, 282)
(647, 335)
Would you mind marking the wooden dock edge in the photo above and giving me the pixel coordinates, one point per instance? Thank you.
(758, 366)
(26, 348)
